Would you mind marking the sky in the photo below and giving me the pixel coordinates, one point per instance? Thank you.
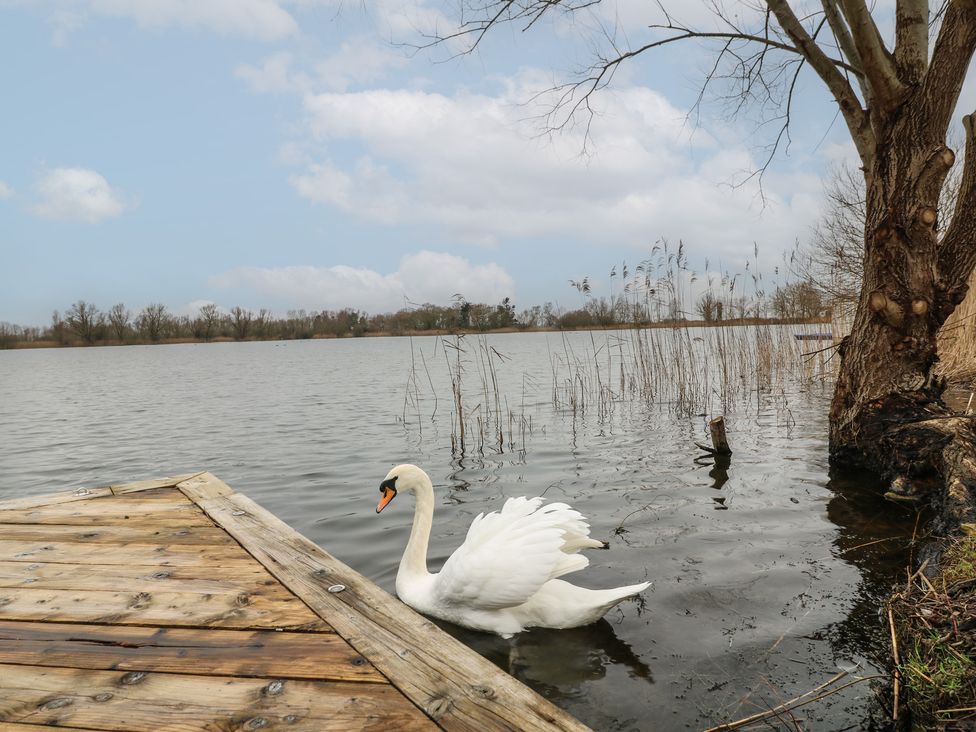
(289, 154)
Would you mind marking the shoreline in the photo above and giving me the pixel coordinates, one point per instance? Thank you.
(738, 322)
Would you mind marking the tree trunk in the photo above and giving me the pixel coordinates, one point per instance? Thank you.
(887, 413)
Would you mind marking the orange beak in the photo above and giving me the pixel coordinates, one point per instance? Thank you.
(388, 495)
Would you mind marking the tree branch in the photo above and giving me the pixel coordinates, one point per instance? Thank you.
(912, 39)
(844, 41)
(876, 62)
(850, 106)
(957, 252)
(954, 49)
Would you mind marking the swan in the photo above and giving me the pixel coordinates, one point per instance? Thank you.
(502, 579)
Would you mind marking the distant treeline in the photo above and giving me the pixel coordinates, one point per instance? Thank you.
(83, 323)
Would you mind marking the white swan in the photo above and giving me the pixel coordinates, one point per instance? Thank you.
(503, 577)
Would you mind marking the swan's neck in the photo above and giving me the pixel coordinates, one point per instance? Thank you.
(414, 561)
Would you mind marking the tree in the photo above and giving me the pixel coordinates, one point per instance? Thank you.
(708, 306)
(207, 321)
(897, 104)
(797, 300)
(152, 320)
(85, 320)
(241, 322)
(118, 318)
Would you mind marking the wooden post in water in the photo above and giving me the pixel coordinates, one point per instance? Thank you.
(720, 442)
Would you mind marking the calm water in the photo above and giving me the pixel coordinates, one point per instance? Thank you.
(762, 583)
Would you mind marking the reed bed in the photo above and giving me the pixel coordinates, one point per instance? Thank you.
(688, 371)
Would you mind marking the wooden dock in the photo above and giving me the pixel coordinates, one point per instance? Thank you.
(178, 604)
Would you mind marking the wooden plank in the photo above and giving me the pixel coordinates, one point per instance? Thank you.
(18, 727)
(203, 579)
(224, 610)
(113, 534)
(143, 485)
(455, 686)
(177, 555)
(267, 653)
(83, 493)
(51, 499)
(110, 510)
(177, 702)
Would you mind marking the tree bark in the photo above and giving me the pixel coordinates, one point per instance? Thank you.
(887, 413)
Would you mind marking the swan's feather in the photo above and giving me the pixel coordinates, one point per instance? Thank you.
(508, 555)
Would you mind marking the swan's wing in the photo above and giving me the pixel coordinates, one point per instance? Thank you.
(508, 555)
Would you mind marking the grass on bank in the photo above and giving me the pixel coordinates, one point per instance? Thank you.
(937, 634)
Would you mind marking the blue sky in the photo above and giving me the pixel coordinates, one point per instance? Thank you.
(279, 154)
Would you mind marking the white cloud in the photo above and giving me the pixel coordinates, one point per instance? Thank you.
(5, 191)
(475, 165)
(422, 277)
(357, 61)
(264, 20)
(77, 194)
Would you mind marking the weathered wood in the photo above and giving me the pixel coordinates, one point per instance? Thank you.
(110, 510)
(202, 579)
(228, 555)
(456, 687)
(163, 702)
(113, 534)
(225, 610)
(18, 727)
(720, 441)
(143, 485)
(51, 499)
(266, 653)
(80, 494)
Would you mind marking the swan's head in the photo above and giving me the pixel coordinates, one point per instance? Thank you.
(402, 478)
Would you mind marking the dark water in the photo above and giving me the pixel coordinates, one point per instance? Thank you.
(767, 575)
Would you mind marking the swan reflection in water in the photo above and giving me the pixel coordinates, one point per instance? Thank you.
(556, 662)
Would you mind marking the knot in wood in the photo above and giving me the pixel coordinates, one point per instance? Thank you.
(485, 692)
(243, 599)
(920, 306)
(358, 661)
(438, 706)
(275, 688)
(290, 718)
(159, 575)
(103, 697)
(58, 703)
(927, 216)
(256, 723)
(133, 677)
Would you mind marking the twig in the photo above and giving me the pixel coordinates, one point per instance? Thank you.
(793, 703)
(897, 671)
(951, 711)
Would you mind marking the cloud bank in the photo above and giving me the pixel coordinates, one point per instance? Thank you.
(425, 276)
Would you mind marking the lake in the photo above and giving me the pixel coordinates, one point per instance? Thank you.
(768, 575)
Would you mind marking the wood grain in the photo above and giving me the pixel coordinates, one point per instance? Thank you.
(83, 493)
(126, 510)
(113, 534)
(202, 579)
(455, 686)
(158, 702)
(264, 653)
(224, 610)
(154, 555)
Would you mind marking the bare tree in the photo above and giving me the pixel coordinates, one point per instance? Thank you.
(208, 319)
(85, 321)
(119, 318)
(241, 322)
(897, 103)
(152, 320)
